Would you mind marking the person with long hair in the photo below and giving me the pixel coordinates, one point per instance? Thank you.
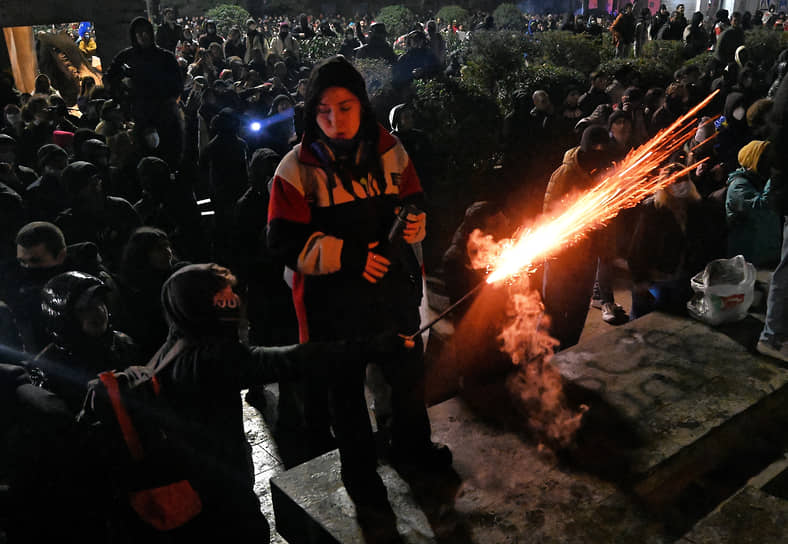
(334, 199)
(675, 236)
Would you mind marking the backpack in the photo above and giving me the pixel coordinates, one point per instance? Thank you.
(130, 420)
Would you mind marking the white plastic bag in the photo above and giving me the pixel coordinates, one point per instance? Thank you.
(723, 291)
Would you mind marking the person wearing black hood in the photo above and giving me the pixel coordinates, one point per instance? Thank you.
(13, 174)
(224, 159)
(418, 62)
(730, 40)
(696, 41)
(334, 200)
(147, 79)
(303, 31)
(168, 203)
(568, 281)
(210, 36)
(94, 216)
(377, 47)
(47, 196)
(202, 367)
(170, 32)
(732, 131)
(623, 30)
(660, 19)
(349, 44)
(147, 262)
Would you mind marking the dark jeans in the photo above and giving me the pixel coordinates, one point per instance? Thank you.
(566, 289)
(666, 296)
(775, 328)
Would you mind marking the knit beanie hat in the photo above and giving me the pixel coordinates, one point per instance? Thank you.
(750, 154)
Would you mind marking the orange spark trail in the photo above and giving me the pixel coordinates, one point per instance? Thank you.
(632, 180)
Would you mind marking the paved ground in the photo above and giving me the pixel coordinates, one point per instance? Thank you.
(266, 458)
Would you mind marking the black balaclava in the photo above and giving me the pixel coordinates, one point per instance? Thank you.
(262, 167)
(135, 24)
(199, 303)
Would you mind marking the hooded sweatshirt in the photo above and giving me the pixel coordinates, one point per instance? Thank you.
(155, 76)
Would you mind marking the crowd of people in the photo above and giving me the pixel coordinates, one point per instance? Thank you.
(306, 206)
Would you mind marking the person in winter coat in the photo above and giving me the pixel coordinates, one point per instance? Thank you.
(377, 47)
(208, 367)
(83, 342)
(47, 196)
(568, 281)
(147, 262)
(596, 94)
(94, 216)
(753, 226)
(170, 33)
(774, 336)
(284, 45)
(675, 236)
(210, 36)
(695, 39)
(254, 41)
(147, 78)
(349, 44)
(623, 30)
(41, 254)
(732, 131)
(334, 200)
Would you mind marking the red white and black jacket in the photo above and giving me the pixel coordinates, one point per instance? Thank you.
(322, 229)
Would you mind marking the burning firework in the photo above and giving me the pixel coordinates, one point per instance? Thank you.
(631, 181)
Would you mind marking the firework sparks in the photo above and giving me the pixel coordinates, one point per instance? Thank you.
(632, 180)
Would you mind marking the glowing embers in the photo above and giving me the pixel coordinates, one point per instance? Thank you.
(631, 181)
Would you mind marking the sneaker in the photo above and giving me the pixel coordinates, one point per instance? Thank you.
(765, 348)
(614, 314)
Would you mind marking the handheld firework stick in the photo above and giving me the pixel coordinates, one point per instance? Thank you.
(631, 181)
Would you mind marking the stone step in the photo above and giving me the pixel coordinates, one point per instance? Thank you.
(671, 401)
(756, 514)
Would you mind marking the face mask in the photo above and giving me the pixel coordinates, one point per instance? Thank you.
(680, 189)
(739, 113)
(152, 139)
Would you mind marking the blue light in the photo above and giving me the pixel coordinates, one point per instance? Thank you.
(255, 126)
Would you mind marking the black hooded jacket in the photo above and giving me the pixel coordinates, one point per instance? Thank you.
(154, 72)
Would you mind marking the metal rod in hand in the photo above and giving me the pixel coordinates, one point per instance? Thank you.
(448, 310)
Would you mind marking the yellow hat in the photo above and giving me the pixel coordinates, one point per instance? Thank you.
(750, 154)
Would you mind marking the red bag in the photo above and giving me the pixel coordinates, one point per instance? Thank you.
(165, 507)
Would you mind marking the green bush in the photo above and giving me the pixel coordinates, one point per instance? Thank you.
(228, 16)
(555, 80)
(699, 60)
(447, 14)
(464, 128)
(493, 60)
(278, 8)
(670, 53)
(398, 19)
(508, 16)
(319, 47)
(764, 46)
(567, 49)
(649, 72)
(377, 75)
